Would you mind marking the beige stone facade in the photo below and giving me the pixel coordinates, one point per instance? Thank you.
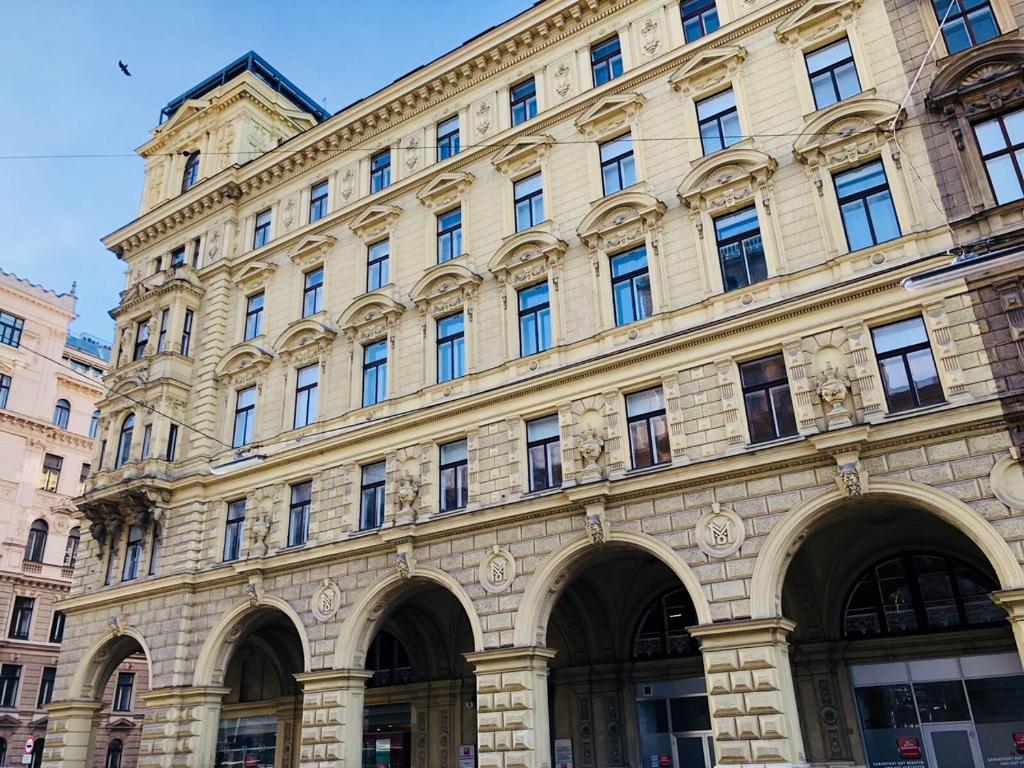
(788, 489)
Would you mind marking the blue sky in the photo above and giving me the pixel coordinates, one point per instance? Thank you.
(63, 94)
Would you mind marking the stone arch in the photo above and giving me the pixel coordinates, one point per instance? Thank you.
(370, 310)
(98, 663)
(619, 211)
(714, 173)
(789, 533)
(303, 333)
(443, 279)
(837, 125)
(241, 357)
(367, 614)
(977, 68)
(548, 582)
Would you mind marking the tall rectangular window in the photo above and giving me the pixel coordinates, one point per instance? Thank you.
(5, 389)
(10, 678)
(57, 626)
(141, 339)
(307, 384)
(11, 327)
(833, 73)
(766, 398)
(147, 440)
(378, 265)
(190, 177)
(21, 618)
(245, 417)
(46, 682)
(719, 121)
(132, 554)
(1001, 141)
(51, 472)
(529, 202)
(178, 256)
(648, 428)
(197, 245)
(740, 249)
(904, 355)
(968, 22)
(172, 442)
(261, 235)
(313, 292)
(123, 692)
(161, 339)
(448, 138)
(544, 453)
(534, 319)
(454, 476)
(606, 60)
(186, 332)
(254, 316)
(700, 17)
(449, 235)
(298, 513)
(380, 171)
(371, 495)
(451, 347)
(631, 286)
(618, 167)
(84, 472)
(523, 101)
(865, 203)
(318, 201)
(233, 525)
(375, 372)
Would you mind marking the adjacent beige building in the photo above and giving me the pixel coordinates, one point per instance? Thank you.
(599, 394)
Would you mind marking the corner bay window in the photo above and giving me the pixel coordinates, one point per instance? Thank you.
(245, 417)
(606, 60)
(1001, 141)
(534, 319)
(523, 101)
(529, 202)
(375, 372)
(718, 121)
(631, 286)
(904, 355)
(261, 234)
(766, 399)
(380, 171)
(233, 526)
(318, 201)
(449, 235)
(254, 316)
(700, 17)
(313, 292)
(968, 22)
(371, 495)
(451, 347)
(648, 428)
(448, 138)
(544, 453)
(378, 257)
(866, 206)
(740, 249)
(307, 383)
(21, 618)
(454, 475)
(618, 167)
(833, 73)
(298, 513)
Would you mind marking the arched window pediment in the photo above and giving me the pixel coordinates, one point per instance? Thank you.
(847, 132)
(620, 219)
(445, 287)
(243, 362)
(525, 256)
(304, 341)
(980, 80)
(370, 316)
(726, 178)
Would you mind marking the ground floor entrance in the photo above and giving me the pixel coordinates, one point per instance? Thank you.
(674, 724)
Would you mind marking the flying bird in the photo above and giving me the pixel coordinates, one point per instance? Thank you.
(124, 67)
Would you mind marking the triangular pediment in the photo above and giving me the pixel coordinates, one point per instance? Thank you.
(815, 18)
(708, 68)
(311, 246)
(253, 272)
(183, 113)
(609, 113)
(444, 189)
(9, 721)
(374, 221)
(522, 154)
(121, 723)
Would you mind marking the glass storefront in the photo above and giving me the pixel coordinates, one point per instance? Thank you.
(674, 724)
(387, 735)
(247, 742)
(962, 712)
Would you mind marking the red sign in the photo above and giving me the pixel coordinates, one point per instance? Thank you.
(29, 743)
(1018, 740)
(910, 749)
(664, 762)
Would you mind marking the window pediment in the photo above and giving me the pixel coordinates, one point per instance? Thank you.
(847, 132)
(375, 222)
(620, 219)
(816, 19)
(526, 256)
(311, 248)
(304, 341)
(370, 317)
(445, 287)
(708, 68)
(980, 80)
(255, 274)
(243, 363)
(522, 156)
(444, 189)
(181, 278)
(726, 178)
(609, 114)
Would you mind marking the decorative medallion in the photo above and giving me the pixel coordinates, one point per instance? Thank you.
(497, 570)
(326, 601)
(1007, 478)
(720, 532)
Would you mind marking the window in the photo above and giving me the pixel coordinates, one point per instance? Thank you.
(700, 17)
(449, 235)
(245, 417)
(534, 320)
(523, 101)
(865, 204)
(313, 292)
(380, 171)
(141, 339)
(529, 202)
(147, 439)
(46, 682)
(154, 548)
(132, 554)
(719, 122)
(378, 258)
(767, 399)
(94, 424)
(662, 630)
(158, 264)
(233, 530)
(833, 73)
(190, 177)
(35, 547)
(161, 339)
(61, 413)
(375, 372)
(254, 316)
(196, 245)
(261, 235)
(10, 329)
(5, 391)
(631, 286)
(740, 250)
(102, 453)
(307, 381)
(115, 749)
(123, 692)
(178, 256)
(618, 168)
(318, 201)
(389, 660)
(84, 472)
(448, 138)
(648, 428)
(71, 547)
(10, 677)
(1001, 141)
(451, 347)
(544, 453)
(186, 332)
(371, 496)
(172, 442)
(21, 618)
(968, 22)
(606, 60)
(3, 751)
(905, 361)
(108, 577)
(51, 472)
(124, 441)
(57, 627)
(454, 474)
(298, 513)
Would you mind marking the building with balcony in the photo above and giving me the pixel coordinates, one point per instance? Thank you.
(601, 393)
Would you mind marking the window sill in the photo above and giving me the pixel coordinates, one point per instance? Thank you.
(635, 472)
(787, 440)
(916, 411)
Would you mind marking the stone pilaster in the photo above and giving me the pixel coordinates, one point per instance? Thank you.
(750, 692)
(69, 734)
(1012, 601)
(332, 718)
(180, 727)
(512, 707)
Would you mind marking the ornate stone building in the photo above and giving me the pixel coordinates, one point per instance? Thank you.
(599, 394)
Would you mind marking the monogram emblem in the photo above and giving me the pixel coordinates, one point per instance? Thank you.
(720, 532)
(497, 570)
(326, 601)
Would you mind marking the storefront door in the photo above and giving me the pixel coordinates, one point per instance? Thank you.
(951, 745)
(694, 751)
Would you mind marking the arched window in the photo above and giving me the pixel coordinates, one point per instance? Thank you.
(114, 751)
(94, 424)
(36, 544)
(662, 630)
(71, 550)
(61, 413)
(3, 751)
(132, 554)
(190, 177)
(37, 752)
(918, 592)
(388, 660)
(124, 442)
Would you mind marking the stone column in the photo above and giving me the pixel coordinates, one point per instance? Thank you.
(1012, 601)
(512, 707)
(179, 727)
(69, 734)
(332, 718)
(750, 692)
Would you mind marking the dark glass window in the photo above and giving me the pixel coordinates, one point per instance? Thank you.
(108, 576)
(71, 547)
(866, 206)
(115, 750)
(5, 391)
(719, 122)
(94, 424)
(245, 417)
(147, 439)
(307, 384)
(84, 472)
(449, 235)
(534, 319)
(21, 618)
(451, 347)
(700, 17)
(178, 256)
(123, 692)
(186, 332)
(378, 263)
(909, 376)
(618, 167)
(375, 372)
(833, 73)
(740, 249)
(141, 339)
(606, 60)
(132, 554)
(662, 630)
(544, 453)
(648, 428)
(313, 292)
(767, 399)
(389, 661)
(35, 546)
(1001, 141)
(454, 475)
(10, 677)
(529, 202)
(172, 442)
(968, 22)
(254, 316)
(380, 171)
(190, 177)
(318, 201)
(261, 235)
(631, 286)
(61, 413)
(523, 101)
(234, 524)
(371, 495)
(11, 327)
(448, 138)
(124, 441)
(161, 338)
(196, 246)
(57, 627)
(50, 479)
(298, 513)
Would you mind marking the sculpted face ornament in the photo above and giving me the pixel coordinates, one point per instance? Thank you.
(403, 565)
(849, 480)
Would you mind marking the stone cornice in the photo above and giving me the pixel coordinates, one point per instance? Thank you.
(33, 428)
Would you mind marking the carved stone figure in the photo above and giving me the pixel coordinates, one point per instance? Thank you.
(591, 448)
(408, 490)
(850, 480)
(259, 532)
(403, 566)
(252, 593)
(595, 529)
(832, 389)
